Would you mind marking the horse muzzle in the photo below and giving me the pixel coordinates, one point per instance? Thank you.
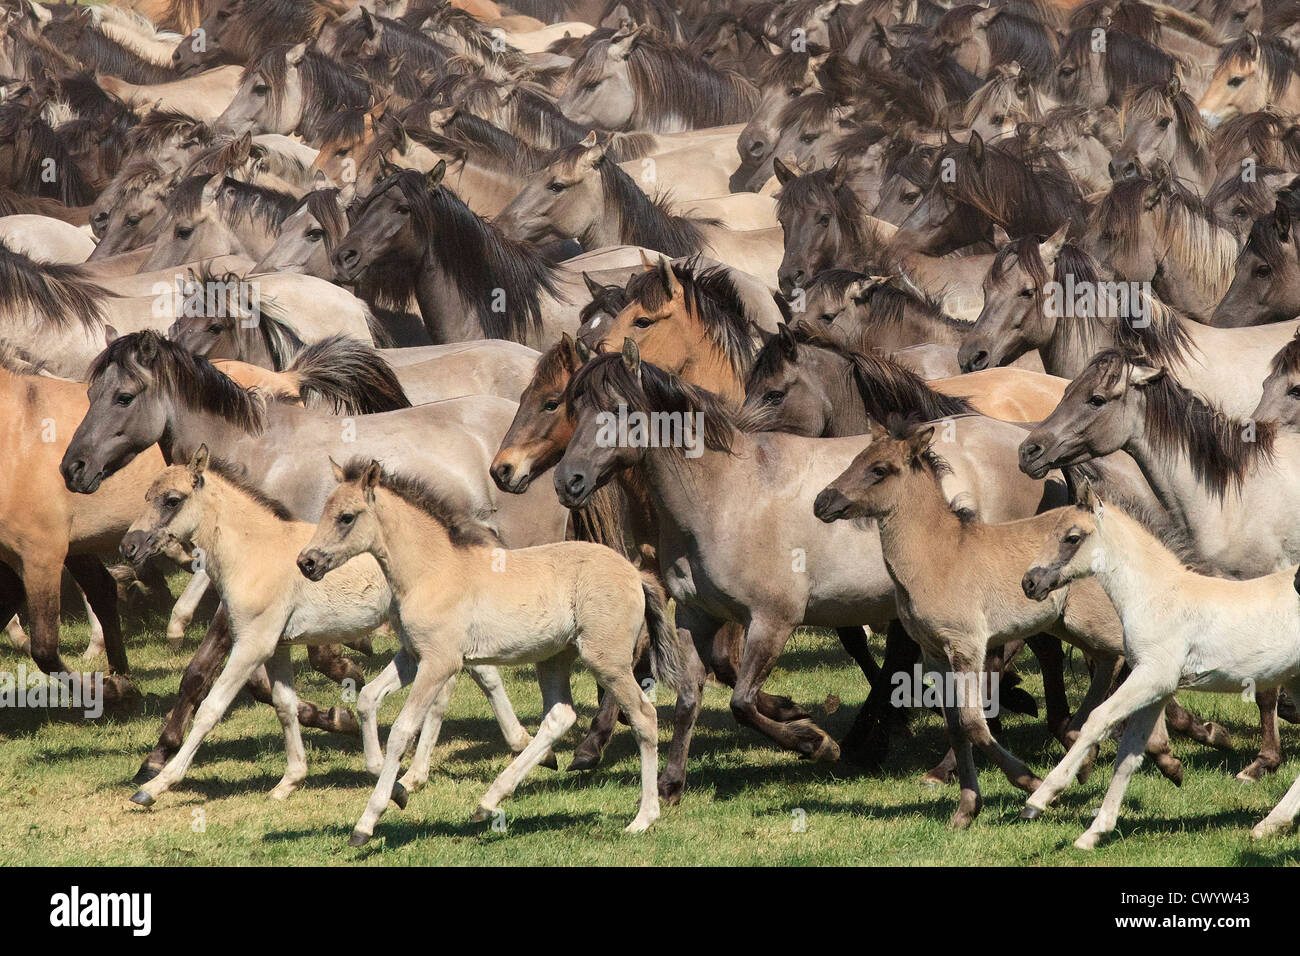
(1038, 583)
(313, 563)
(832, 505)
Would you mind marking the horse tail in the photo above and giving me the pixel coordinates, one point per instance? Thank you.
(348, 376)
(665, 649)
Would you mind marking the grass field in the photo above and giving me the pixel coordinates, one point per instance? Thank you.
(68, 780)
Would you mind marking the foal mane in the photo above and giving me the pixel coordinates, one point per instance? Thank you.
(147, 357)
(1177, 420)
(235, 475)
(462, 529)
(59, 295)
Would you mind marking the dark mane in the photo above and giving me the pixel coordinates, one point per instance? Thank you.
(1276, 56)
(59, 295)
(1178, 421)
(605, 383)
(711, 298)
(1273, 139)
(818, 190)
(1287, 361)
(1129, 61)
(159, 125)
(99, 52)
(477, 255)
(1000, 186)
(327, 86)
(35, 146)
(235, 474)
(191, 379)
(887, 302)
(462, 529)
(347, 377)
(238, 201)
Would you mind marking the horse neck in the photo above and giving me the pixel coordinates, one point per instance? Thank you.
(187, 428)
(920, 517)
(1174, 482)
(414, 547)
(680, 489)
(708, 367)
(1133, 566)
(447, 312)
(1066, 355)
(238, 536)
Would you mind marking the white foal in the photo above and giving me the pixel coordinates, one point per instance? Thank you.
(1181, 629)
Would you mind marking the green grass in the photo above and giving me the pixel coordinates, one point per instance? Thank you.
(68, 780)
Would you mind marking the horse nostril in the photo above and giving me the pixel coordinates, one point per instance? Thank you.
(576, 483)
(503, 472)
(306, 565)
(176, 56)
(979, 361)
(1030, 450)
(349, 256)
(1110, 169)
(757, 148)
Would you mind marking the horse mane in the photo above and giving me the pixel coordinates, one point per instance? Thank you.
(327, 86)
(18, 362)
(59, 295)
(1144, 102)
(1129, 61)
(260, 24)
(887, 303)
(1177, 420)
(712, 298)
(1274, 139)
(1276, 56)
(556, 365)
(1012, 35)
(161, 124)
(462, 529)
(98, 51)
(36, 145)
(323, 206)
(189, 378)
(347, 377)
(235, 475)
(491, 145)
(236, 199)
(819, 190)
(1254, 194)
(475, 253)
(1287, 361)
(277, 336)
(1005, 188)
(672, 80)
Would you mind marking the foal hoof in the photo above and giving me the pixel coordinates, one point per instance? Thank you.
(584, 762)
(358, 838)
(400, 795)
(480, 815)
(142, 799)
(1030, 813)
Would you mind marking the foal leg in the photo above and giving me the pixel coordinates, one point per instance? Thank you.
(430, 675)
(965, 664)
(553, 677)
(418, 774)
(517, 738)
(95, 646)
(250, 653)
(1144, 686)
(1131, 745)
(285, 699)
(969, 801)
(184, 608)
(1281, 817)
(1270, 747)
(641, 715)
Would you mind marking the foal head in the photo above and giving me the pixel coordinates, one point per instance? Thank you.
(1253, 72)
(1280, 402)
(348, 525)
(875, 480)
(1070, 551)
(1013, 320)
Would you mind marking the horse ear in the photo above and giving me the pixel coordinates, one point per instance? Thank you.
(590, 140)
(1023, 84)
(857, 290)
(370, 479)
(594, 287)
(296, 54)
(1050, 247)
(434, 176)
(839, 173)
(1174, 87)
(1141, 373)
(1282, 222)
(1088, 499)
(877, 431)
(789, 344)
(1000, 237)
(583, 350)
(243, 148)
(595, 150)
(981, 20)
(337, 469)
(110, 335)
(199, 464)
(1252, 45)
(368, 23)
(623, 42)
(668, 278)
(148, 347)
(632, 358)
(976, 144)
(212, 187)
(782, 172)
(919, 441)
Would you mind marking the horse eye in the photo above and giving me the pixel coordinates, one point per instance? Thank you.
(1239, 16)
(879, 471)
(1236, 81)
(315, 235)
(1294, 391)
(1026, 293)
(124, 399)
(910, 197)
(1240, 212)
(214, 329)
(824, 219)
(261, 89)
(828, 317)
(591, 87)
(1164, 122)
(347, 518)
(184, 232)
(774, 397)
(1097, 401)
(1066, 72)
(550, 406)
(173, 501)
(556, 186)
(133, 221)
(808, 138)
(403, 210)
(1263, 271)
(1073, 538)
(998, 120)
(643, 322)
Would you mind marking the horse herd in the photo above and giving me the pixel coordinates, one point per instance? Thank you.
(975, 326)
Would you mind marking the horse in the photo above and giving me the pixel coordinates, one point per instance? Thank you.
(1281, 390)
(1159, 123)
(1265, 286)
(580, 193)
(545, 605)
(896, 481)
(636, 80)
(145, 390)
(1253, 73)
(1181, 629)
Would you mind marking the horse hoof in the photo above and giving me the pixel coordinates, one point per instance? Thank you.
(827, 752)
(551, 763)
(358, 838)
(142, 798)
(343, 721)
(1030, 813)
(933, 779)
(584, 762)
(670, 792)
(1219, 738)
(1088, 841)
(400, 795)
(480, 815)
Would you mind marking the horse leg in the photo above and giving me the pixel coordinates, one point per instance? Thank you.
(1283, 815)
(1158, 750)
(1184, 722)
(11, 599)
(969, 802)
(197, 680)
(42, 581)
(431, 674)
(1131, 746)
(517, 738)
(965, 665)
(854, 640)
(690, 698)
(184, 608)
(285, 699)
(557, 701)
(764, 642)
(251, 652)
(418, 774)
(99, 591)
(399, 672)
(867, 742)
(329, 659)
(728, 651)
(1270, 747)
(1143, 687)
(1051, 662)
(1103, 676)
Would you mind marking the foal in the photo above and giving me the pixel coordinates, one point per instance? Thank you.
(1181, 629)
(545, 605)
(958, 594)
